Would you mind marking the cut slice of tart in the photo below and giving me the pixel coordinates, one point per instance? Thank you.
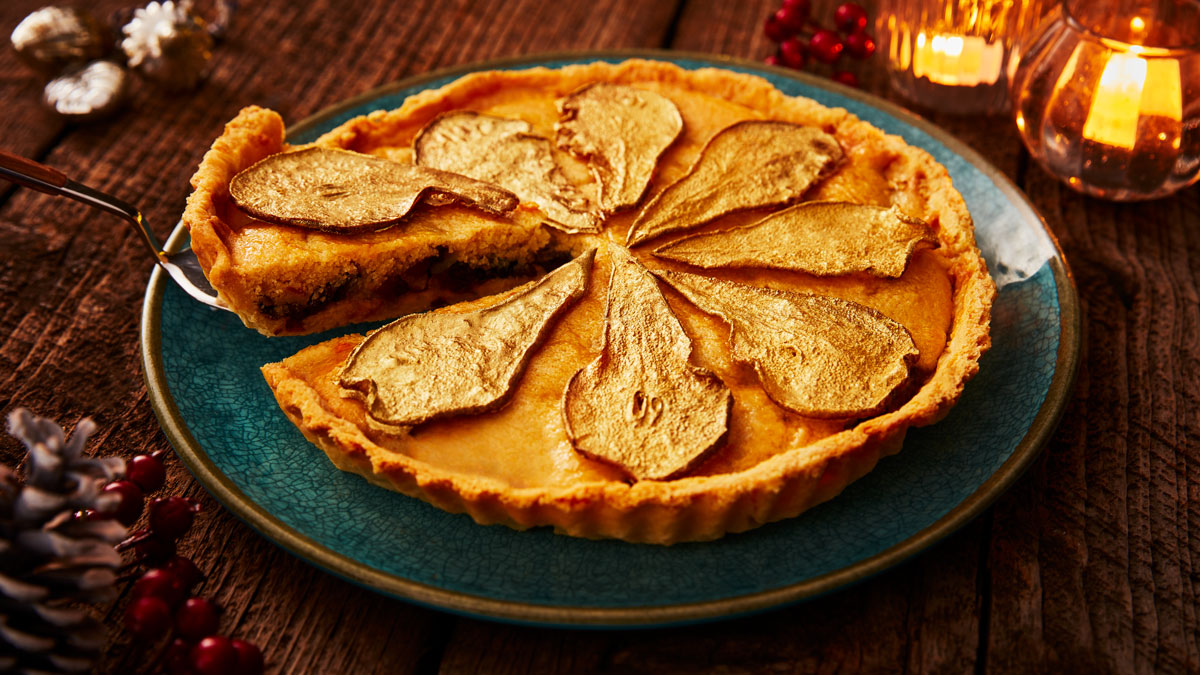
(653, 406)
(285, 279)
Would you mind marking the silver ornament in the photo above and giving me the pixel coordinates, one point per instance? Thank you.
(89, 92)
(53, 38)
(166, 43)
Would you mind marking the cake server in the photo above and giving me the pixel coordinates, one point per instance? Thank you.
(182, 267)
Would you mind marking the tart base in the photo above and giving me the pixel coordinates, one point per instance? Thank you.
(780, 481)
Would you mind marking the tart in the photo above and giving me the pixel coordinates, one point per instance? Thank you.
(659, 378)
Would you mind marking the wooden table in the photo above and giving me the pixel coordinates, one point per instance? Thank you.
(1091, 563)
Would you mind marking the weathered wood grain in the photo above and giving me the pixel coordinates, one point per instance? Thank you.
(1087, 565)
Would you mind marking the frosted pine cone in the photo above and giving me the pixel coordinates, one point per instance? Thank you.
(52, 560)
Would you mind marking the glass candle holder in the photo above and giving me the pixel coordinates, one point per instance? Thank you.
(954, 56)
(1107, 97)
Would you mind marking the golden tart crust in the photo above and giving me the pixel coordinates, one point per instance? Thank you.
(516, 465)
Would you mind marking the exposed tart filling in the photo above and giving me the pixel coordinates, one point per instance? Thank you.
(527, 463)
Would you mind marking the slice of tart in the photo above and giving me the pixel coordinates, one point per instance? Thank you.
(681, 374)
(286, 279)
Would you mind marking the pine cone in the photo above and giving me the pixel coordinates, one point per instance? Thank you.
(54, 562)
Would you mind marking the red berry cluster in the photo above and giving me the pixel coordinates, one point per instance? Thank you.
(161, 599)
(801, 39)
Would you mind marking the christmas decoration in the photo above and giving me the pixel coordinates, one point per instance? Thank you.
(803, 41)
(55, 559)
(88, 92)
(61, 534)
(168, 44)
(53, 38)
(161, 601)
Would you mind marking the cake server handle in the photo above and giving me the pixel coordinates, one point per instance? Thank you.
(183, 267)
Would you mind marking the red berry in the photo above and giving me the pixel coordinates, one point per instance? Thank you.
(147, 617)
(774, 30)
(850, 17)
(129, 500)
(172, 517)
(147, 472)
(154, 550)
(860, 45)
(846, 77)
(160, 584)
(825, 46)
(792, 53)
(772, 60)
(791, 19)
(801, 6)
(179, 657)
(198, 617)
(249, 658)
(186, 571)
(214, 655)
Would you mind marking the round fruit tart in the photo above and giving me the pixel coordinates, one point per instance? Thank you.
(635, 301)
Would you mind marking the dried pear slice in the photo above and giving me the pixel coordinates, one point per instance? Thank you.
(815, 355)
(504, 152)
(640, 404)
(620, 132)
(821, 238)
(747, 165)
(341, 191)
(437, 364)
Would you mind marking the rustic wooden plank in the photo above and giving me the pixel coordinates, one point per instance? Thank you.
(1106, 526)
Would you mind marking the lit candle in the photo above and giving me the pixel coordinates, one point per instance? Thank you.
(1100, 98)
(1130, 88)
(957, 60)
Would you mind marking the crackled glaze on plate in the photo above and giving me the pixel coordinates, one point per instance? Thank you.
(202, 374)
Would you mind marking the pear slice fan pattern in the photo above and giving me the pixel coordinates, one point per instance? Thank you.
(642, 404)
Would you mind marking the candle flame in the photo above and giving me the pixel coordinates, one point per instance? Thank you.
(957, 60)
(1132, 87)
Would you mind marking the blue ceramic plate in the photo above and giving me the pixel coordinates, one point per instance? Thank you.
(202, 373)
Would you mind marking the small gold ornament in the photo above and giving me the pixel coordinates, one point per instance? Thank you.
(820, 238)
(167, 44)
(747, 165)
(89, 92)
(505, 152)
(53, 38)
(620, 132)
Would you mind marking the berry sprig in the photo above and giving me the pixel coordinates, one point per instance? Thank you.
(161, 600)
(803, 40)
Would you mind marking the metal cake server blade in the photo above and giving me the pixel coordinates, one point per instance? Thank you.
(182, 267)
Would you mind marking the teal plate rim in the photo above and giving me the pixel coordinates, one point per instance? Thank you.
(270, 526)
